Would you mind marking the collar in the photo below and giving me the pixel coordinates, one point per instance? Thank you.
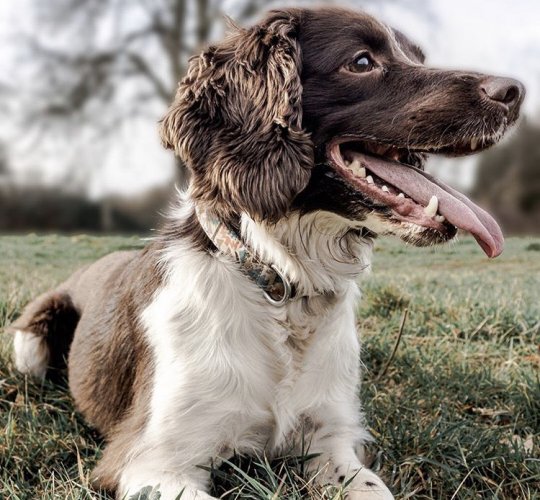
(276, 287)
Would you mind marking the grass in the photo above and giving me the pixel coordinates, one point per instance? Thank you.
(456, 410)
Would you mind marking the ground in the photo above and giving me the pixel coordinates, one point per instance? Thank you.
(455, 410)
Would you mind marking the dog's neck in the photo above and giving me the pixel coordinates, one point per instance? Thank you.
(317, 252)
(275, 285)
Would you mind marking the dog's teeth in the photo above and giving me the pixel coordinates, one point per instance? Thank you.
(474, 143)
(356, 167)
(433, 206)
(385, 188)
(440, 218)
(370, 179)
(401, 195)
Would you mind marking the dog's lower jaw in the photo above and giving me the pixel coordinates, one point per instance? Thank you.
(408, 232)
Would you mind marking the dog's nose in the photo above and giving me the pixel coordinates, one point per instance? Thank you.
(504, 90)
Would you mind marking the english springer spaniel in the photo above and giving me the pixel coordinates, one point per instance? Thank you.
(234, 330)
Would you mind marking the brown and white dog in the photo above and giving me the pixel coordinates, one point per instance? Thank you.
(234, 330)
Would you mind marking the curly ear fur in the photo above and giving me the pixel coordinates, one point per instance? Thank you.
(237, 121)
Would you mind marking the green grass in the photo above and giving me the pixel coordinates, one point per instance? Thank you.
(456, 410)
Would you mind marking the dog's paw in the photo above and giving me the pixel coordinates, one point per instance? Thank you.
(366, 485)
(159, 493)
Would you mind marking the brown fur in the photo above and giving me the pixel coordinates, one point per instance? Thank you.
(237, 122)
(110, 342)
(190, 230)
(110, 369)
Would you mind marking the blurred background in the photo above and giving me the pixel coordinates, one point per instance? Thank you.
(83, 84)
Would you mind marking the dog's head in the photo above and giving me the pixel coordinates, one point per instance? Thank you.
(330, 110)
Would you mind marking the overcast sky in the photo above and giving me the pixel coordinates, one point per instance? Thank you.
(494, 36)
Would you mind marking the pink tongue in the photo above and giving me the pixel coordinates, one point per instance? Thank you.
(456, 207)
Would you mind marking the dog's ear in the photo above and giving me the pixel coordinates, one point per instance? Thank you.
(237, 121)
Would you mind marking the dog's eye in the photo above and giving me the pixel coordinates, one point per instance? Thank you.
(362, 63)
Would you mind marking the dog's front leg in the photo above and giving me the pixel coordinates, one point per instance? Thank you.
(153, 465)
(337, 463)
(148, 469)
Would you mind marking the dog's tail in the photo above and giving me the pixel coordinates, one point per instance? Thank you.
(43, 334)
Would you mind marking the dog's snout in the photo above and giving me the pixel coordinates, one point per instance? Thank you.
(504, 90)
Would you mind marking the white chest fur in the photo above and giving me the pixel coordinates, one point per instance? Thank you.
(234, 373)
(228, 362)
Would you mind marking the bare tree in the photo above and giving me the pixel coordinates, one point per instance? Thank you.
(97, 63)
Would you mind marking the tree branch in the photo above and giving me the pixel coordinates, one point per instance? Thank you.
(203, 21)
(144, 68)
(177, 38)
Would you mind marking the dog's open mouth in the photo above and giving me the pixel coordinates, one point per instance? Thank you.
(387, 175)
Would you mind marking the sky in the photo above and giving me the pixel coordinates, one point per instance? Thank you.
(494, 36)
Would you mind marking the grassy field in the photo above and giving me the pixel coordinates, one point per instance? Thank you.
(455, 411)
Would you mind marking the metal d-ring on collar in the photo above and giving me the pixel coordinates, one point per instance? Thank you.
(287, 290)
(267, 277)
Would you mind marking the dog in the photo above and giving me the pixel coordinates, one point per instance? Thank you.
(233, 331)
